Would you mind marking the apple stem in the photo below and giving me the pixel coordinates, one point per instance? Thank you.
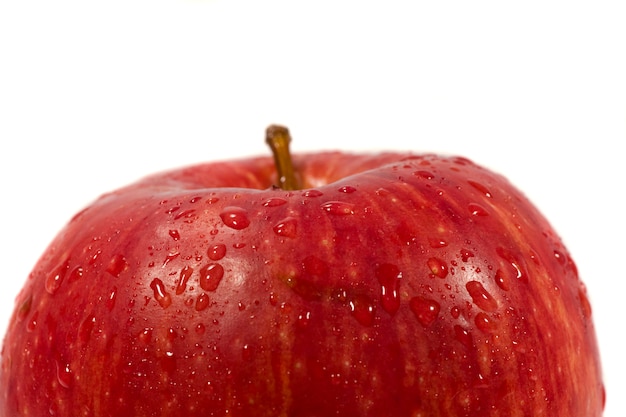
(278, 139)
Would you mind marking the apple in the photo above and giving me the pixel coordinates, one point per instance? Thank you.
(326, 284)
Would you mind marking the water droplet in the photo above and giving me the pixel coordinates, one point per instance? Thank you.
(518, 268)
(76, 274)
(480, 187)
(424, 174)
(64, 374)
(110, 301)
(485, 323)
(347, 189)
(481, 297)
(85, 329)
(438, 267)
(437, 243)
(117, 265)
(303, 319)
(274, 202)
(202, 302)
(25, 307)
(217, 252)
(312, 193)
(235, 217)
(170, 257)
(455, 312)
(195, 199)
(286, 227)
(389, 277)
(32, 323)
(362, 309)
(162, 297)
(466, 254)
(338, 207)
(210, 276)
(174, 234)
(463, 336)
(55, 277)
(477, 210)
(502, 280)
(185, 274)
(187, 215)
(425, 309)
(200, 328)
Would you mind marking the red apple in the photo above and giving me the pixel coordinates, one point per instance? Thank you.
(393, 285)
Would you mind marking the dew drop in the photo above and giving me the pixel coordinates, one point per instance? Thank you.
(347, 189)
(174, 234)
(425, 309)
(463, 336)
(362, 308)
(202, 302)
(170, 257)
(76, 274)
(437, 243)
(210, 276)
(32, 323)
(303, 320)
(438, 267)
(466, 254)
(117, 265)
(424, 174)
(389, 277)
(235, 217)
(85, 329)
(217, 252)
(286, 227)
(185, 274)
(162, 297)
(485, 323)
(274, 202)
(312, 193)
(195, 199)
(477, 210)
(56, 276)
(64, 374)
(455, 312)
(481, 297)
(338, 207)
(480, 187)
(187, 215)
(514, 262)
(110, 301)
(502, 280)
(200, 328)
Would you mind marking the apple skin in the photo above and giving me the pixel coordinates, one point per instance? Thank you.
(390, 285)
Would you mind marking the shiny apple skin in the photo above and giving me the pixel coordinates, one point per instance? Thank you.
(391, 285)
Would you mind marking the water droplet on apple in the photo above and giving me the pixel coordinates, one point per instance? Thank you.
(481, 297)
(210, 276)
(217, 252)
(64, 374)
(502, 280)
(76, 274)
(424, 174)
(312, 193)
(437, 243)
(85, 329)
(438, 267)
(235, 217)
(174, 234)
(160, 295)
(56, 276)
(168, 362)
(286, 227)
(195, 199)
(466, 254)
(185, 274)
(200, 328)
(477, 210)
(32, 323)
(485, 323)
(187, 215)
(520, 273)
(170, 257)
(274, 202)
(347, 189)
(389, 277)
(202, 302)
(117, 265)
(425, 309)
(362, 309)
(303, 319)
(480, 187)
(24, 308)
(463, 336)
(110, 300)
(338, 207)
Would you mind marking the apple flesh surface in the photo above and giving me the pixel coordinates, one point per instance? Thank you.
(389, 285)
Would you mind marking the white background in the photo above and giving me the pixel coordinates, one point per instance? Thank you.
(94, 95)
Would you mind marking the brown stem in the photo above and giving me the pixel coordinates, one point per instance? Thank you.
(278, 139)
